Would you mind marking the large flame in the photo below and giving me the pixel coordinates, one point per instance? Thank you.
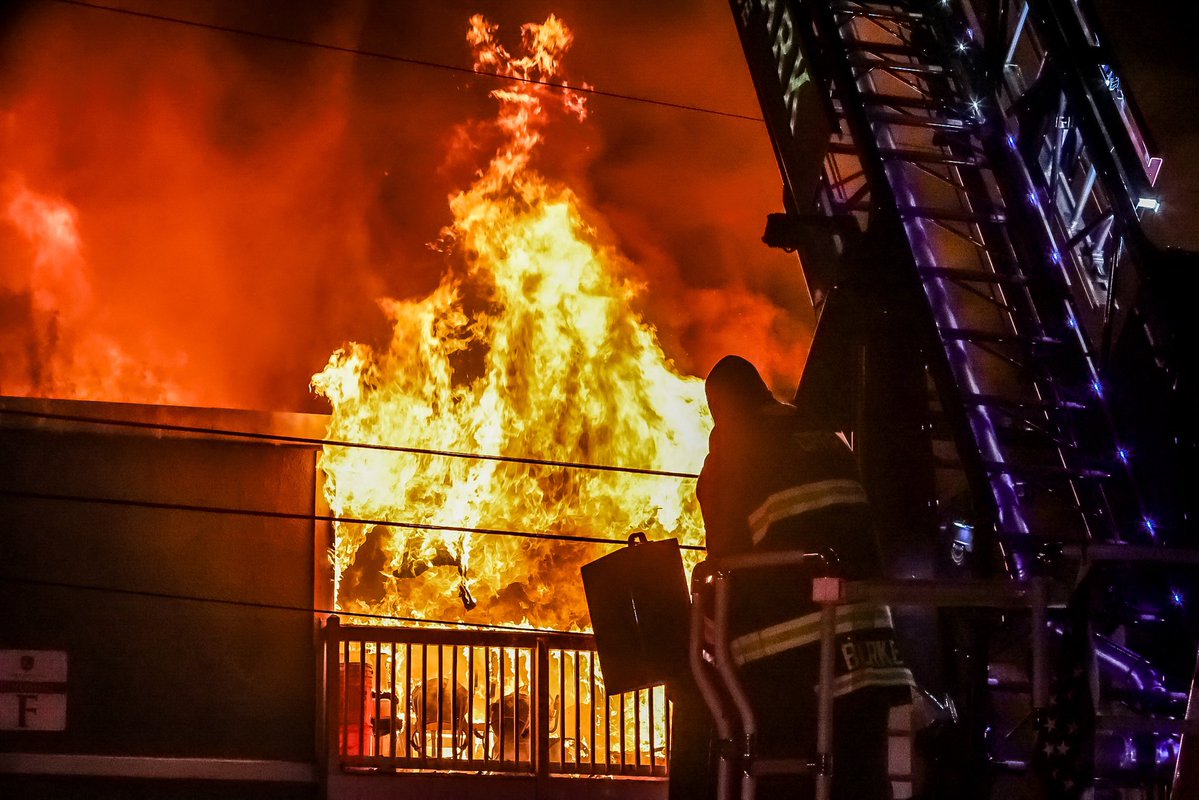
(535, 351)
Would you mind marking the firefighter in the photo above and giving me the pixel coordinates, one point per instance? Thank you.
(772, 483)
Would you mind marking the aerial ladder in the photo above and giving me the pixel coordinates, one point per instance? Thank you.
(963, 182)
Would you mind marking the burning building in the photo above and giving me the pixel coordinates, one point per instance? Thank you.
(521, 421)
(533, 348)
(201, 601)
(180, 664)
(166, 577)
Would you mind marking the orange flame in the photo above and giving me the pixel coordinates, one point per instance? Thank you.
(535, 351)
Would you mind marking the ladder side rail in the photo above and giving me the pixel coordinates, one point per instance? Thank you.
(1109, 186)
(1030, 318)
(977, 422)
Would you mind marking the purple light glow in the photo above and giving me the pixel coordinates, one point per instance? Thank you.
(1008, 505)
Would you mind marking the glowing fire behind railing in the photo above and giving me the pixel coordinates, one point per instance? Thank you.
(531, 347)
(489, 701)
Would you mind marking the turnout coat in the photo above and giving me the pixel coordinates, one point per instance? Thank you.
(769, 484)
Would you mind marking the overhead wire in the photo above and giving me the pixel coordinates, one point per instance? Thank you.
(324, 442)
(26, 581)
(314, 517)
(338, 443)
(418, 62)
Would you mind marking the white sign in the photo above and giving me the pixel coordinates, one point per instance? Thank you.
(33, 711)
(33, 690)
(41, 666)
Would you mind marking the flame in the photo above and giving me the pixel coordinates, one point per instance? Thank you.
(534, 349)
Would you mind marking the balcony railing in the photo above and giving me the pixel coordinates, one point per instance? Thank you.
(423, 699)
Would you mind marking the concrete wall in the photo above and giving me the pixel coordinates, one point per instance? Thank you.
(152, 675)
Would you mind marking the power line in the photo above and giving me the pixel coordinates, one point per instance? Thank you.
(317, 442)
(289, 515)
(408, 60)
(24, 581)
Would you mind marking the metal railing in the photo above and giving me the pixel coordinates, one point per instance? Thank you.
(1086, 151)
(404, 699)
(739, 767)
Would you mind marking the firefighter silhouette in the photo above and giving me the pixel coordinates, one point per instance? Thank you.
(771, 482)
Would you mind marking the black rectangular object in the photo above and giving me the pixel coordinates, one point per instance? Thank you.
(640, 612)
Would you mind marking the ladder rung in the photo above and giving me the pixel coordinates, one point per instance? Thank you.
(994, 400)
(1125, 552)
(953, 124)
(859, 9)
(900, 66)
(925, 157)
(974, 335)
(861, 45)
(953, 214)
(1044, 471)
(901, 101)
(972, 276)
(1024, 431)
(761, 767)
(1130, 724)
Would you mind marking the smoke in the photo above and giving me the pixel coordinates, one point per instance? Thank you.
(242, 204)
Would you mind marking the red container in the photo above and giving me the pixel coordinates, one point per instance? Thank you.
(356, 731)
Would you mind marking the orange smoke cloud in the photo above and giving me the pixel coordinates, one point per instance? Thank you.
(240, 204)
(55, 345)
(226, 227)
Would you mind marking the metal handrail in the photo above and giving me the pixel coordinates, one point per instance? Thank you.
(710, 657)
(518, 740)
(737, 726)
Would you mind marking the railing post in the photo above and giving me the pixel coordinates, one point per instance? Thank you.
(1186, 768)
(332, 716)
(1011, 50)
(827, 592)
(708, 689)
(1040, 645)
(540, 732)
